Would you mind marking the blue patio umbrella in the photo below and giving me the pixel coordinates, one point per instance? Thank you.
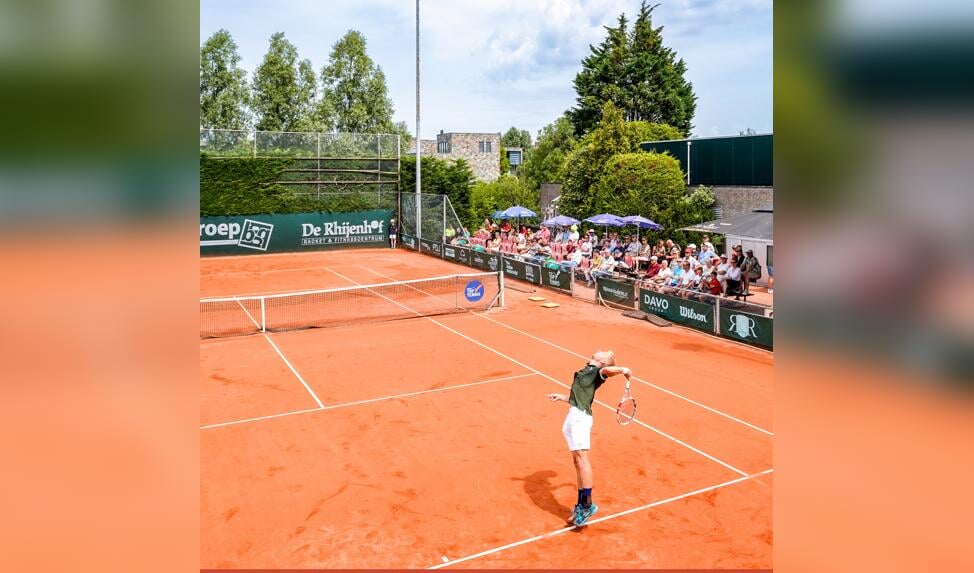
(606, 219)
(518, 212)
(563, 220)
(641, 223)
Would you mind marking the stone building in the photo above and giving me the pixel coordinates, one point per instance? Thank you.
(482, 151)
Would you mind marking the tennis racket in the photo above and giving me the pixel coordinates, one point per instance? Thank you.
(626, 410)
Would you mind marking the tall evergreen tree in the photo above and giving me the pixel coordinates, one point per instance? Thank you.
(636, 72)
(223, 84)
(281, 96)
(355, 89)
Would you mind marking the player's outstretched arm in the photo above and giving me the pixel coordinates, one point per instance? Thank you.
(558, 397)
(608, 371)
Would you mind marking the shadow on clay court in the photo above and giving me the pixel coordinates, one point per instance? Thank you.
(539, 488)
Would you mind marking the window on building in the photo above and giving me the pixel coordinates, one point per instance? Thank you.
(443, 147)
(485, 146)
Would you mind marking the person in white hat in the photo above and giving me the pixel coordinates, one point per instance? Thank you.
(574, 234)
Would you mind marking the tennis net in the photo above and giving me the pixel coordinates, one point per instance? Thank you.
(236, 316)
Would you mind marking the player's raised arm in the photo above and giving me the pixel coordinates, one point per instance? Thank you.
(608, 371)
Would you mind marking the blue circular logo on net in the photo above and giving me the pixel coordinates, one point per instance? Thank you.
(474, 291)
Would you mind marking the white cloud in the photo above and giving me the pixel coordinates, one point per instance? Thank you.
(491, 64)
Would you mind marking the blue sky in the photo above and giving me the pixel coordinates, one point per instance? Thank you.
(488, 65)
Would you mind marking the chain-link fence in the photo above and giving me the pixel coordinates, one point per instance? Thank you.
(439, 220)
(342, 146)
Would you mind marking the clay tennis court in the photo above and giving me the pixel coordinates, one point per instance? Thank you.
(428, 441)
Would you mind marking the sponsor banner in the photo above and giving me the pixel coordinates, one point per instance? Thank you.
(557, 279)
(478, 260)
(520, 270)
(430, 248)
(617, 292)
(409, 242)
(745, 327)
(255, 234)
(449, 252)
(675, 309)
(493, 263)
(463, 255)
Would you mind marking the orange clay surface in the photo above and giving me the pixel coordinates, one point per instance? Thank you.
(436, 445)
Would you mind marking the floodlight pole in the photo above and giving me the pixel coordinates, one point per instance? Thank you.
(419, 163)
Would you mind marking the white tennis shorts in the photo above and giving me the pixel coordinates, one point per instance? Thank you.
(577, 429)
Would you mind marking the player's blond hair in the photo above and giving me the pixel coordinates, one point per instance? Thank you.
(607, 357)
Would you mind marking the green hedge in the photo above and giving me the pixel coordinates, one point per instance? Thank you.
(246, 186)
(243, 186)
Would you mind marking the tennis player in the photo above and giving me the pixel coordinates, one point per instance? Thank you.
(577, 428)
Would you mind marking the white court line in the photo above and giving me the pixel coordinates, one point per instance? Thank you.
(636, 378)
(250, 316)
(235, 422)
(284, 358)
(556, 381)
(432, 390)
(369, 401)
(288, 362)
(606, 518)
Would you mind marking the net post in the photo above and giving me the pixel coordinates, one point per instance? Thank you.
(500, 278)
(263, 316)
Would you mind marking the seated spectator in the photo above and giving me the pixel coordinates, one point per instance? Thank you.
(661, 278)
(673, 256)
(689, 281)
(606, 268)
(645, 249)
(706, 244)
(722, 267)
(734, 280)
(713, 284)
(574, 260)
(674, 282)
(587, 248)
(653, 269)
(495, 242)
(633, 246)
(618, 250)
(573, 236)
(706, 253)
(709, 267)
(659, 249)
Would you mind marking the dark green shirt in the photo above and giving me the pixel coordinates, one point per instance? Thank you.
(587, 381)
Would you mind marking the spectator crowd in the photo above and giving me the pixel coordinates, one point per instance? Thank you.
(689, 272)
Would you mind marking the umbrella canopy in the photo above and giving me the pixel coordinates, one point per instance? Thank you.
(560, 220)
(518, 211)
(606, 219)
(642, 222)
(497, 215)
(758, 224)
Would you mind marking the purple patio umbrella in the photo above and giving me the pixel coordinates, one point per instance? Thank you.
(641, 223)
(562, 220)
(606, 219)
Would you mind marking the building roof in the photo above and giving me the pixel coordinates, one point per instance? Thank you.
(758, 224)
